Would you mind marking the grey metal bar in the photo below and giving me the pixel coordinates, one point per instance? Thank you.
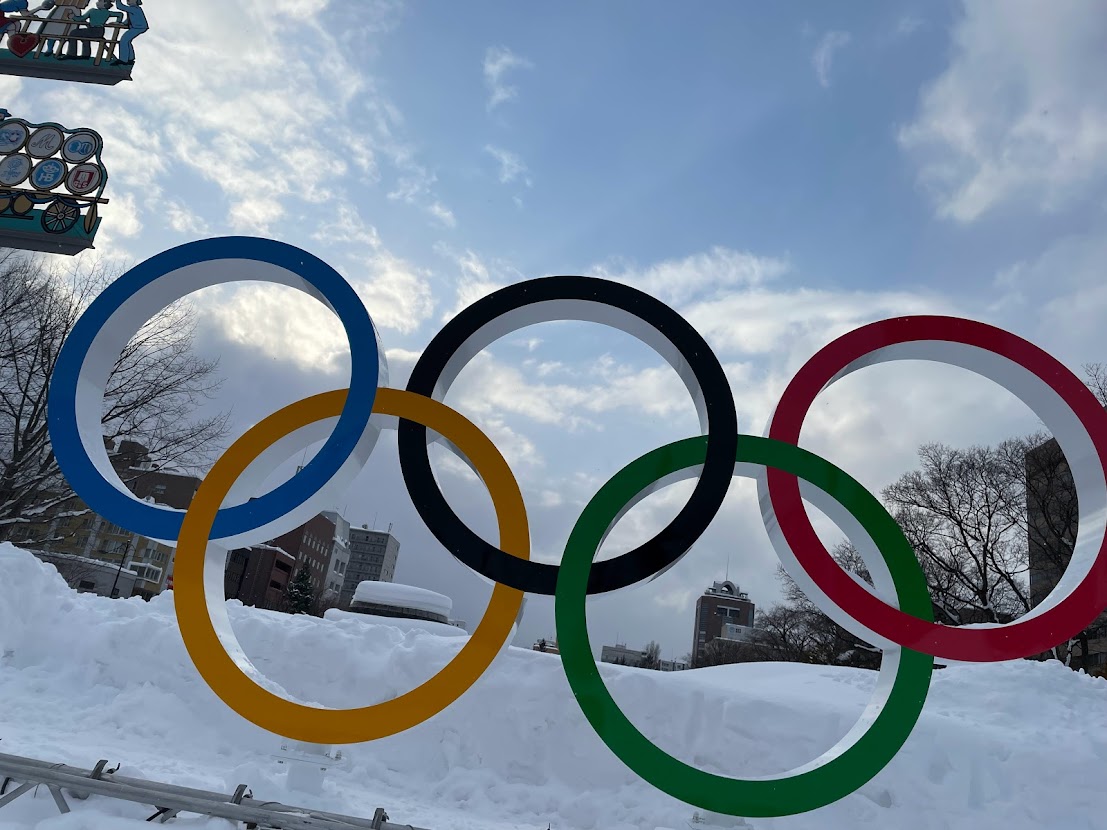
(59, 799)
(14, 794)
(182, 799)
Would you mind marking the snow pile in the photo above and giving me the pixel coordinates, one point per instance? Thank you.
(1014, 746)
(402, 623)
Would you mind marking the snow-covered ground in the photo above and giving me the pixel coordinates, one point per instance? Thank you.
(1012, 746)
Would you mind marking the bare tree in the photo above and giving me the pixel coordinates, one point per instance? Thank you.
(651, 657)
(153, 392)
(797, 630)
(964, 513)
(720, 652)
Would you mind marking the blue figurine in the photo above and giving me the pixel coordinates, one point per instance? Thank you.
(136, 20)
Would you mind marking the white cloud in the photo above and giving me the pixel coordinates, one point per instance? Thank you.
(680, 280)
(476, 278)
(287, 125)
(498, 61)
(1020, 114)
(823, 58)
(443, 214)
(183, 220)
(511, 165)
(397, 294)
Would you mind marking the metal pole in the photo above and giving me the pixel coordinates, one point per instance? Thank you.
(167, 798)
(119, 570)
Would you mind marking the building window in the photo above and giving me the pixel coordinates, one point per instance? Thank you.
(85, 585)
(274, 584)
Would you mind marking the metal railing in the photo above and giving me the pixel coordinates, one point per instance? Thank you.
(168, 800)
(105, 46)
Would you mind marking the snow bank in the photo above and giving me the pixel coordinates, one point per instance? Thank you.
(1014, 746)
(403, 624)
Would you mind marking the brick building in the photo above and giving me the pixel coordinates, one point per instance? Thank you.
(258, 576)
(722, 612)
(311, 546)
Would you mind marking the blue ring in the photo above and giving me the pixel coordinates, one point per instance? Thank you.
(164, 523)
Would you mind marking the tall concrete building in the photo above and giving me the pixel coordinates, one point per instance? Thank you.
(373, 556)
(722, 612)
(1051, 521)
(340, 555)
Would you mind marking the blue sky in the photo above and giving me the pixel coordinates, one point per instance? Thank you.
(779, 173)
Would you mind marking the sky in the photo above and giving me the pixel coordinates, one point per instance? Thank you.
(778, 173)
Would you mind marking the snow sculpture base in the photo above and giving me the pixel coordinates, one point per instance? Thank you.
(307, 765)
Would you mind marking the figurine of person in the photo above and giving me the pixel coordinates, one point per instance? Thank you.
(136, 20)
(7, 25)
(56, 25)
(96, 19)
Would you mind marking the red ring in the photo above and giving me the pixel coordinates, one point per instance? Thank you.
(1007, 642)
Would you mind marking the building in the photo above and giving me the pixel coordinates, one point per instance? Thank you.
(91, 576)
(385, 599)
(620, 655)
(373, 556)
(258, 576)
(399, 606)
(311, 546)
(720, 605)
(340, 556)
(72, 529)
(1051, 521)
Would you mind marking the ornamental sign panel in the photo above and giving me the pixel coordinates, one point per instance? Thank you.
(87, 41)
(51, 186)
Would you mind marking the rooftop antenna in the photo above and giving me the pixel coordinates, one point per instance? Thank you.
(374, 521)
(727, 577)
(390, 528)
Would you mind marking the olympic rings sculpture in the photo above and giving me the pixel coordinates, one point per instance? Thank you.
(894, 614)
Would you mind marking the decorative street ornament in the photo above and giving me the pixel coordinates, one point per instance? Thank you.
(88, 41)
(49, 176)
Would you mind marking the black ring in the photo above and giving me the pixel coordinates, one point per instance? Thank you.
(592, 300)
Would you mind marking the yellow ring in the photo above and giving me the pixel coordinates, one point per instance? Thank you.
(341, 726)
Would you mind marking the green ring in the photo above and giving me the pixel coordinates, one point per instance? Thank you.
(811, 786)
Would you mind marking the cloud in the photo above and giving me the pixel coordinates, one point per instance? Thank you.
(717, 270)
(443, 214)
(511, 166)
(1059, 295)
(498, 61)
(476, 278)
(1019, 115)
(823, 58)
(273, 133)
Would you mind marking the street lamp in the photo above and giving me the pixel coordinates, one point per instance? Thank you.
(122, 560)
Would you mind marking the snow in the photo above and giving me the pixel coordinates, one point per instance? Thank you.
(403, 596)
(1017, 746)
(441, 629)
